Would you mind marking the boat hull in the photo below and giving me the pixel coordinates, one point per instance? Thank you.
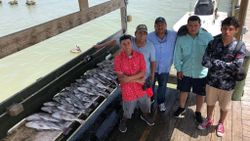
(207, 22)
(32, 98)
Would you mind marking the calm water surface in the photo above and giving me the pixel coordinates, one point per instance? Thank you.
(23, 68)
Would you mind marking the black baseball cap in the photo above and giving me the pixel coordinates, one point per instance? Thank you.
(160, 20)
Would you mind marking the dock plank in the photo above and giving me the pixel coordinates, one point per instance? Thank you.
(245, 103)
(236, 121)
(216, 117)
(228, 125)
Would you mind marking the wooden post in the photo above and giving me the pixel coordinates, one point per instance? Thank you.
(124, 16)
(242, 17)
(239, 88)
(83, 4)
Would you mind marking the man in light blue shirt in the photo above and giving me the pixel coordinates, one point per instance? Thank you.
(164, 42)
(189, 50)
(144, 46)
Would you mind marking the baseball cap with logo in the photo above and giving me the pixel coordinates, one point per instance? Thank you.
(142, 27)
(160, 20)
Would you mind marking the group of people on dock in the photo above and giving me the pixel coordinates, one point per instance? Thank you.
(205, 65)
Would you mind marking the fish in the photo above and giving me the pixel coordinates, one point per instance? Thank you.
(66, 116)
(41, 116)
(85, 98)
(63, 106)
(93, 91)
(106, 63)
(70, 109)
(79, 81)
(90, 72)
(44, 125)
(109, 78)
(49, 109)
(77, 102)
(50, 103)
(60, 99)
(83, 89)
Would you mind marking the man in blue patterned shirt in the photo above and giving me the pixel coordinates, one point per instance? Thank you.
(223, 60)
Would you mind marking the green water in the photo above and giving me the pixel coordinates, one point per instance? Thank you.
(23, 68)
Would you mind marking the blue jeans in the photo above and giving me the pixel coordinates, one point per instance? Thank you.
(162, 87)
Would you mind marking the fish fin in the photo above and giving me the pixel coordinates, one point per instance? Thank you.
(80, 121)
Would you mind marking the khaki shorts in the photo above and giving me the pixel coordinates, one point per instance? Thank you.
(143, 102)
(222, 96)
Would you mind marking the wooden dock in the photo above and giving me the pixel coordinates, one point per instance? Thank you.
(168, 128)
(245, 101)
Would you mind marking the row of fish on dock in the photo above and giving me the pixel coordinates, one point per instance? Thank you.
(75, 100)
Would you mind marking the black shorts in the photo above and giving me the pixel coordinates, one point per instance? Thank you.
(198, 85)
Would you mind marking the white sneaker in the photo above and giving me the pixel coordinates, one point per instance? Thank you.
(162, 107)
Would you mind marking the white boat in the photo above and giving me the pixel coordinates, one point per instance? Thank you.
(77, 49)
(208, 12)
(30, 2)
(13, 2)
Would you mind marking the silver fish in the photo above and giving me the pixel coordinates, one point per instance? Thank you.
(66, 116)
(60, 99)
(43, 125)
(69, 109)
(50, 103)
(49, 109)
(41, 116)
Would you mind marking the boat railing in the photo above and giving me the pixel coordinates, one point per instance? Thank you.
(17, 41)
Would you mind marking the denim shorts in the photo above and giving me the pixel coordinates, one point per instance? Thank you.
(197, 85)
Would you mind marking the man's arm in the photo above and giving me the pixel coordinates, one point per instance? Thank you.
(178, 59)
(139, 77)
(234, 65)
(152, 62)
(152, 70)
(207, 57)
(107, 43)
